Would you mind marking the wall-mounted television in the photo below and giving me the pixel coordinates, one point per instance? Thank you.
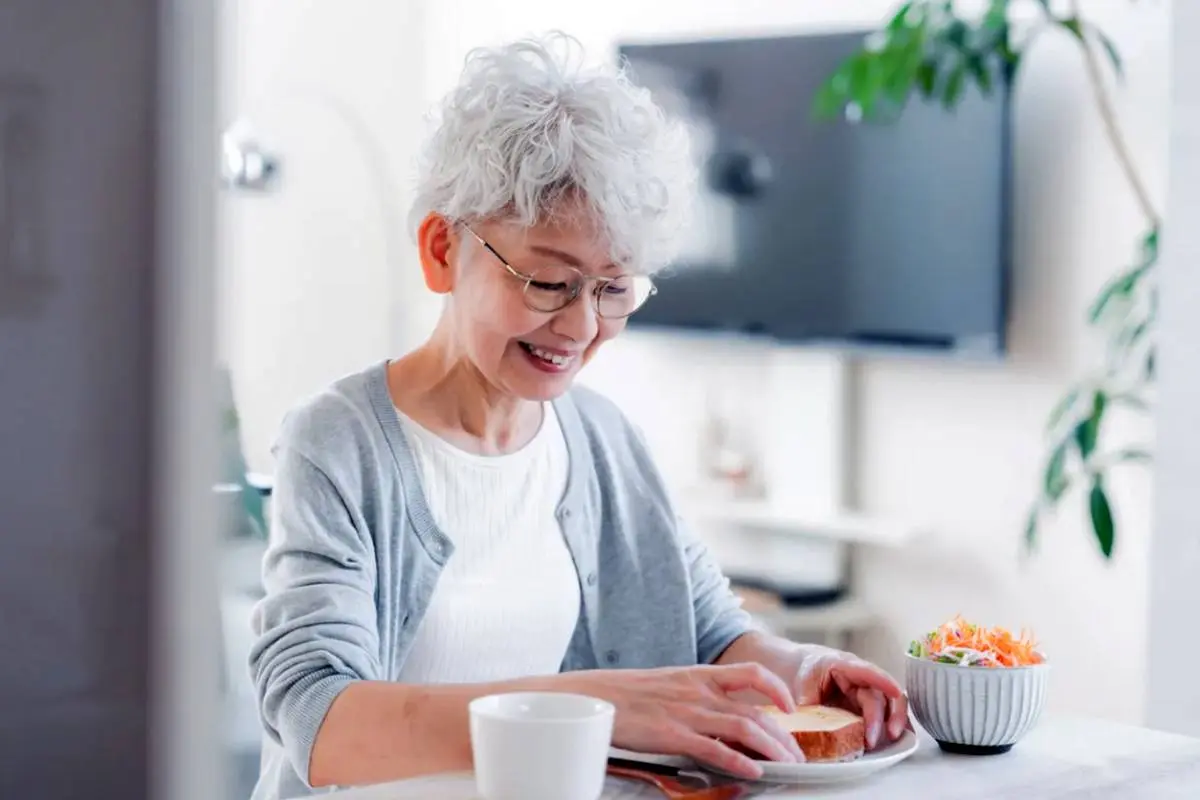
(841, 233)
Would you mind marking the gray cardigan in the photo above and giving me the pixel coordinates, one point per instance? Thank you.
(354, 555)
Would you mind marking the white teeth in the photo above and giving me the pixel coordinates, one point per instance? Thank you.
(553, 358)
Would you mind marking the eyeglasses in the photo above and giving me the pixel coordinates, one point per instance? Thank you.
(553, 288)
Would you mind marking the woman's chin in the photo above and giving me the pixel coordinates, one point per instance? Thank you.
(546, 389)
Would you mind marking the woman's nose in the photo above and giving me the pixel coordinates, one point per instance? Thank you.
(580, 320)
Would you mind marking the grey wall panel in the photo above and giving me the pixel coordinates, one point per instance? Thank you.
(78, 84)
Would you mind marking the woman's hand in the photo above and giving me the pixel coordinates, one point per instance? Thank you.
(689, 711)
(836, 678)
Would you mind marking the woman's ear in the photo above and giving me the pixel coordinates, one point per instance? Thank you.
(436, 240)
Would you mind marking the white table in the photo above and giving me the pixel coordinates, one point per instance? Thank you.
(1062, 758)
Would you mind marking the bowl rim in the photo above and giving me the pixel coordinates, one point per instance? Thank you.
(1024, 668)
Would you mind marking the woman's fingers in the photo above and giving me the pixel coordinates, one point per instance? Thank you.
(709, 751)
(874, 712)
(853, 675)
(871, 692)
(751, 728)
(897, 720)
(862, 673)
(756, 678)
(773, 727)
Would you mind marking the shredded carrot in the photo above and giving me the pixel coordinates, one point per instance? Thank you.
(962, 642)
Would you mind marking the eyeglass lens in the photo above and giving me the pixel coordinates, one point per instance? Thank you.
(552, 288)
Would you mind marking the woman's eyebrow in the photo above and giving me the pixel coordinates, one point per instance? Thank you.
(567, 258)
(554, 252)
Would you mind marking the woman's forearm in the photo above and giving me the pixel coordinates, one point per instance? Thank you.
(767, 649)
(377, 731)
(781, 656)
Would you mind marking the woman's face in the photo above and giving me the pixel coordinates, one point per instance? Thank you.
(520, 351)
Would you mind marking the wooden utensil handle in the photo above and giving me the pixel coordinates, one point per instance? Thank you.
(673, 789)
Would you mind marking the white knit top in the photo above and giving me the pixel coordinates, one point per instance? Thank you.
(508, 600)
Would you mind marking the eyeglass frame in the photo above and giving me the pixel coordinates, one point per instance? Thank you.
(600, 281)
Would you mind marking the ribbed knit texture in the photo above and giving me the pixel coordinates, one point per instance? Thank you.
(507, 602)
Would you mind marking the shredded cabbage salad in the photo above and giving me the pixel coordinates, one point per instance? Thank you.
(969, 645)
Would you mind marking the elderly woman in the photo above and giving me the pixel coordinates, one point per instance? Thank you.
(462, 521)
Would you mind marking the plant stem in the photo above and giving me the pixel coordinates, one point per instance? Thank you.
(1108, 116)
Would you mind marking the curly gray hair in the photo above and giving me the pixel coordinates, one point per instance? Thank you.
(530, 126)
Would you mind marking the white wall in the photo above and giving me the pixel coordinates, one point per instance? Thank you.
(1175, 554)
(955, 446)
(316, 276)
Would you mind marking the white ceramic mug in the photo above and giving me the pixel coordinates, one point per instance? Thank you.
(540, 745)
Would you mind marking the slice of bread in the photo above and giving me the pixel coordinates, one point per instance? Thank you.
(825, 733)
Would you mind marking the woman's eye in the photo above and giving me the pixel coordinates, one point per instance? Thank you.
(549, 287)
(613, 288)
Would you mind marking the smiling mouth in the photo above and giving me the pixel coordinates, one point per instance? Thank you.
(548, 357)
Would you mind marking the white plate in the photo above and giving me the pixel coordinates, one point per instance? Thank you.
(804, 774)
(679, 762)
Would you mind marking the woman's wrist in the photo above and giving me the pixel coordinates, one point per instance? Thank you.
(783, 657)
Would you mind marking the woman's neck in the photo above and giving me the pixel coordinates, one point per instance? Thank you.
(447, 395)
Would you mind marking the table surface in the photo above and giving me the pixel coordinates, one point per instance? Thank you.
(1061, 758)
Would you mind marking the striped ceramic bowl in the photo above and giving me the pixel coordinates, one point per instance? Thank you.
(975, 710)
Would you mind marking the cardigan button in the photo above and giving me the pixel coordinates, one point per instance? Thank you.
(591, 579)
(612, 657)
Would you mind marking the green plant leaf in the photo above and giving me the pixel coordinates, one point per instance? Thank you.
(1122, 286)
(1131, 335)
(1102, 518)
(1114, 55)
(954, 85)
(1150, 246)
(926, 78)
(1031, 530)
(996, 18)
(1074, 25)
(1011, 60)
(1055, 481)
(899, 20)
(833, 95)
(899, 69)
(956, 34)
(1132, 455)
(862, 81)
(979, 71)
(1063, 406)
(1116, 290)
(827, 103)
(1087, 432)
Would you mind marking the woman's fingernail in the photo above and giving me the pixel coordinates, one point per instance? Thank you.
(873, 734)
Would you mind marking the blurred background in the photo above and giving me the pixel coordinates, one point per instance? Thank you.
(910, 364)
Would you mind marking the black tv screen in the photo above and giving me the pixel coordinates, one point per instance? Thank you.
(842, 232)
